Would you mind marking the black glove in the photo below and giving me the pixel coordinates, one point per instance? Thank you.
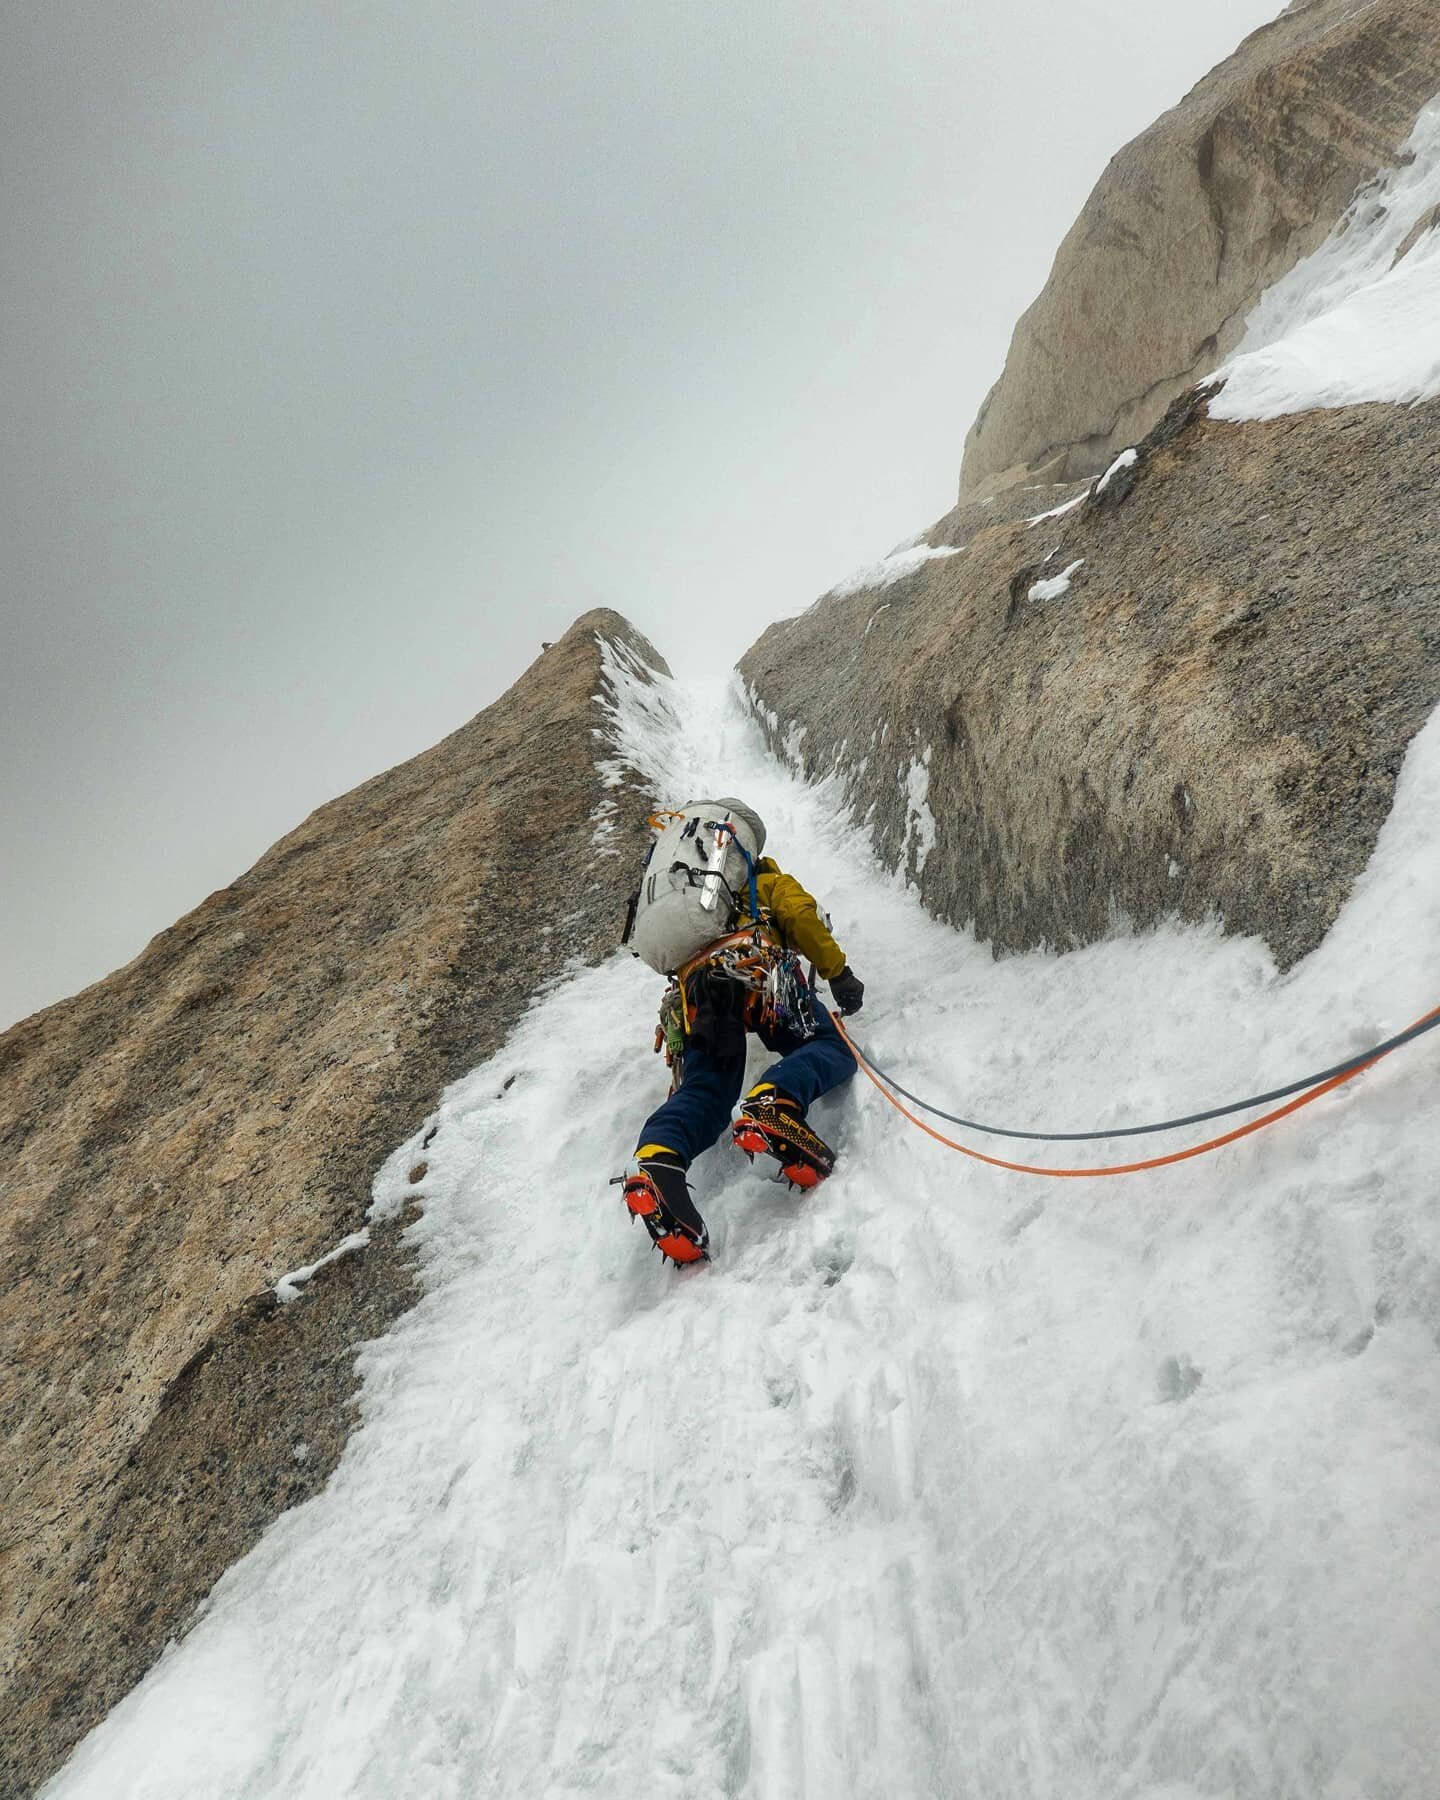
(849, 991)
(719, 1025)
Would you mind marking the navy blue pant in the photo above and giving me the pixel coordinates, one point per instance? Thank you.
(699, 1110)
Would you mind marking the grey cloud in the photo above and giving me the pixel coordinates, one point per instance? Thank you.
(350, 352)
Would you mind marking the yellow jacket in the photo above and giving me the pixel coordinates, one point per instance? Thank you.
(796, 917)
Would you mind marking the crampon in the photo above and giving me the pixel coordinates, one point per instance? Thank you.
(771, 1125)
(659, 1197)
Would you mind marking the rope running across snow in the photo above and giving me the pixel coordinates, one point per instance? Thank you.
(1352, 1065)
(1324, 1083)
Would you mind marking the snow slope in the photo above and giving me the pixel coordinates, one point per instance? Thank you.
(937, 1482)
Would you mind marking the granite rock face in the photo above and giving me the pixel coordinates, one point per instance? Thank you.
(1191, 222)
(178, 1137)
(1208, 717)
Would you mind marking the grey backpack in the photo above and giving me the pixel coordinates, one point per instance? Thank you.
(696, 881)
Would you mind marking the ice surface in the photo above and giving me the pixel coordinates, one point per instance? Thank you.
(939, 1481)
(1351, 323)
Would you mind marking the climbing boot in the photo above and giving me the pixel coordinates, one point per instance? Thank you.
(772, 1124)
(659, 1196)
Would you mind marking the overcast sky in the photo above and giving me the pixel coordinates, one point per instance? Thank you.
(349, 351)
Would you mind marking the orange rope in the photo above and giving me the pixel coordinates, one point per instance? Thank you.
(1153, 1162)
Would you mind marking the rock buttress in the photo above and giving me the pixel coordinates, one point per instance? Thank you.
(1191, 222)
(178, 1136)
(1210, 720)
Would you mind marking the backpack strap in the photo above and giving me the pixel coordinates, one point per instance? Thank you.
(734, 836)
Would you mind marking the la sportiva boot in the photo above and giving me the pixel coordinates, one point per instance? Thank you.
(772, 1124)
(659, 1196)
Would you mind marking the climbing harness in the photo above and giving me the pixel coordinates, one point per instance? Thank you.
(1326, 1082)
(772, 994)
(785, 996)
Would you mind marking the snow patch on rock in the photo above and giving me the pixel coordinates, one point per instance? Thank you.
(1057, 584)
(289, 1287)
(1359, 320)
(1125, 460)
(1059, 512)
(894, 567)
(919, 820)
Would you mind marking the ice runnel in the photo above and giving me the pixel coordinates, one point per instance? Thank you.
(937, 1482)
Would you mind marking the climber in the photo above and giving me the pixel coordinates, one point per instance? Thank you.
(730, 930)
